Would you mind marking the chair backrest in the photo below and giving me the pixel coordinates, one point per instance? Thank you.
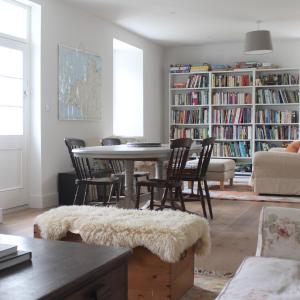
(179, 155)
(116, 165)
(81, 165)
(110, 142)
(205, 155)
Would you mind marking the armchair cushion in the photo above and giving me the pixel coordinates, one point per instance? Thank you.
(279, 233)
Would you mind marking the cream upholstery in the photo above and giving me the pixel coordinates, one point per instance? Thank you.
(274, 272)
(276, 172)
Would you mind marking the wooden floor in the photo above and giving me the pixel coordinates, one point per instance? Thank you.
(233, 231)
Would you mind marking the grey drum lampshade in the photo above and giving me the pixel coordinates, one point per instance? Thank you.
(258, 42)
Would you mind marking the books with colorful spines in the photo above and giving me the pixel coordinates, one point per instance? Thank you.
(6, 249)
(14, 259)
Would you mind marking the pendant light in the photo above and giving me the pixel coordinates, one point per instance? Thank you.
(258, 41)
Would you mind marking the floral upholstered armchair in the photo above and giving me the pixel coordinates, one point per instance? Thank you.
(279, 233)
(274, 272)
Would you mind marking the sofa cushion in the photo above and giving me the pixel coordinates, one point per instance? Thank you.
(293, 147)
(215, 165)
(264, 278)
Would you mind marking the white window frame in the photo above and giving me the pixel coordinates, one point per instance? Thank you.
(24, 46)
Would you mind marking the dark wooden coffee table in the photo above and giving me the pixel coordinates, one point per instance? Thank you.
(65, 270)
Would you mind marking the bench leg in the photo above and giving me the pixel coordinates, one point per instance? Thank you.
(231, 181)
(221, 185)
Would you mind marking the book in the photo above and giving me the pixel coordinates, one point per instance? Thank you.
(7, 250)
(14, 259)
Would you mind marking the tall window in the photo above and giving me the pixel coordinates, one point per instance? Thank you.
(14, 35)
(128, 119)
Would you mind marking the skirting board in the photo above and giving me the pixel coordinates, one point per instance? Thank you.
(44, 201)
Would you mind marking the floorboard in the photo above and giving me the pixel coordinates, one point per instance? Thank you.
(233, 230)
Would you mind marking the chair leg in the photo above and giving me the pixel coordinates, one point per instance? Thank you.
(208, 199)
(110, 194)
(200, 193)
(117, 189)
(76, 194)
(138, 192)
(164, 198)
(147, 177)
(152, 197)
(85, 193)
(181, 198)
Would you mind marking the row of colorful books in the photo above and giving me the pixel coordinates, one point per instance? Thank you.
(232, 132)
(277, 79)
(197, 81)
(193, 133)
(263, 146)
(231, 80)
(276, 132)
(193, 98)
(195, 116)
(233, 149)
(180, 68)
(231, 98)
(276, 96)
(275, 116)
(232, 116)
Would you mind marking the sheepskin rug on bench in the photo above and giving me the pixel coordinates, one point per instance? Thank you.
(166, 234)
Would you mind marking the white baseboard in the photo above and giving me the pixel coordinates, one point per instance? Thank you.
(44, 201)
(6, 211)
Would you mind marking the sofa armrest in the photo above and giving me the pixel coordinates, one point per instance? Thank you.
(279, 233)
(276, 164)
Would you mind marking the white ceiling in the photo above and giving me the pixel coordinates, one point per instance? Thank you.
(187, 22)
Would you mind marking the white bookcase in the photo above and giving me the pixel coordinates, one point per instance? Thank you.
(203, 118)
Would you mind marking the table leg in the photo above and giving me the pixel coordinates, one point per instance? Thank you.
(159, 169)
(129, 183)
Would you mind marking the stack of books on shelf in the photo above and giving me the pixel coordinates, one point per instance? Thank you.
(194, 116)
(231, 98)
(10, 256)
(233, 149)
(232, 116)
(197, 81)
(193, 98)
(221, 80)
(193, 133)
(232, 132)
(277, 132)
(277, 79)
(277, 96)
(200, 68)
(180, 68)
(275, 116)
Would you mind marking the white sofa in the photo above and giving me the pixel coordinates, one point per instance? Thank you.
(274, 273)
(276, 172)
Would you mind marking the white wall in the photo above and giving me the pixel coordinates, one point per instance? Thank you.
(286, 54)
(63, 24)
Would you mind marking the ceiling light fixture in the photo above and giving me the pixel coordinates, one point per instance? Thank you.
(258, 41)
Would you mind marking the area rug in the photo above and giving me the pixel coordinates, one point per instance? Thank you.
(207, 286)
(244, 192)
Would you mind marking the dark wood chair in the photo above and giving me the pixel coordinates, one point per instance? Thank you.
(117, 166)
(86, 178)
(199, 175)
(179, 154)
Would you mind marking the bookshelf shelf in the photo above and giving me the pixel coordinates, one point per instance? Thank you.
(245, 97)
(189, 89)
(231, 87)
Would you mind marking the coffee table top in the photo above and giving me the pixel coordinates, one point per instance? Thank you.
(54, 266)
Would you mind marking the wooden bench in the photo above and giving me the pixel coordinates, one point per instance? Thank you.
(148, 276)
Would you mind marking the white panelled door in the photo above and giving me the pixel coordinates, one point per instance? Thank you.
(14, 118)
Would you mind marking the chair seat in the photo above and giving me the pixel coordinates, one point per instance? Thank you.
(141, 174)
(103, 180)
(159, 183)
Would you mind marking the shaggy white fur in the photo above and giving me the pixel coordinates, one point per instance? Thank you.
(165, 233)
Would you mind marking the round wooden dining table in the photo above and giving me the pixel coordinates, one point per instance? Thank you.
(129, 154)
